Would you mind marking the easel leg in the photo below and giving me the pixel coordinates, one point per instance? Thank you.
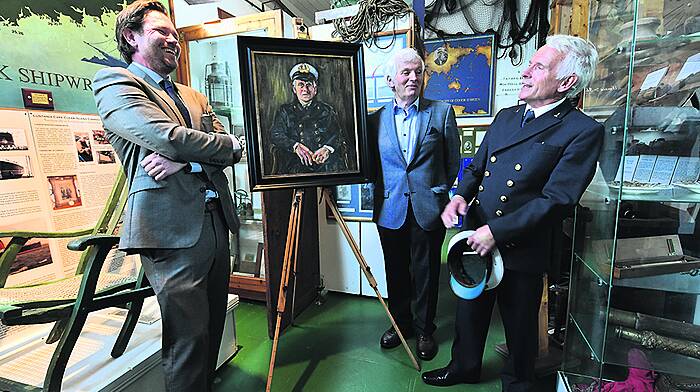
(366, 269)
(290, 257)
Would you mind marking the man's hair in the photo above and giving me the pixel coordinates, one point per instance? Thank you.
(131, 18)
(402, 55)
(580, 58)
(314, 81)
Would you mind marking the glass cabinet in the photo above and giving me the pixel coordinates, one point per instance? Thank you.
(633, 305)
(209, 64)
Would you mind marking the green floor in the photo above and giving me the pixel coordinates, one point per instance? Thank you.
(334, 347)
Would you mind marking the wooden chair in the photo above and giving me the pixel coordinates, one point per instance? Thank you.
(69, 301)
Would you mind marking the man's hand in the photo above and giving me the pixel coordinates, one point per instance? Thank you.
(456, 206)
(305, 155)
(482, 241)
(160, 167)
(321, 155)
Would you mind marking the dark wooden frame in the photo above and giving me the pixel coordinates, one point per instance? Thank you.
(258, 104)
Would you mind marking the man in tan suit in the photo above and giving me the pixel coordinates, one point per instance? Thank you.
(179, 210)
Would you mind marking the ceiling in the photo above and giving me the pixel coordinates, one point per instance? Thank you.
(300, 8)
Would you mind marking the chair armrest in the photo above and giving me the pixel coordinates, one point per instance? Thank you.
(99, 240)
(46, 234)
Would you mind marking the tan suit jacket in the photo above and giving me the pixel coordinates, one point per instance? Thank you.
(140, 118)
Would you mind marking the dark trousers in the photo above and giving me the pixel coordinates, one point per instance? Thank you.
(412, 266)
(519, 295)
(191, 286)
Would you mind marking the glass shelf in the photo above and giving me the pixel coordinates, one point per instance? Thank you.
(670, 193)
(679, 282)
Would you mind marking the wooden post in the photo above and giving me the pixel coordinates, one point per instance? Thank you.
(543, 319)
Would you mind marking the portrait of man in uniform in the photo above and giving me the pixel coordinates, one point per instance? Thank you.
(306, 133)
(305, 113)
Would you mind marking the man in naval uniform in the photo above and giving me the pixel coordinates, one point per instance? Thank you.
(306, 134)
(528, 174)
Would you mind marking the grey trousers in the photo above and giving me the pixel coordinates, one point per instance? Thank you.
(191, 286)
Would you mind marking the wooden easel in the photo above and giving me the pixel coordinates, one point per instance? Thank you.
(289, 266)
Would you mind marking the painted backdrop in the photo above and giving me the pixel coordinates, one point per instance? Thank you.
(56, 45)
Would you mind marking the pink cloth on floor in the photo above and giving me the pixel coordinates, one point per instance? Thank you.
(639, 379)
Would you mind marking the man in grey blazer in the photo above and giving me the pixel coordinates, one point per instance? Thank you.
(179, 210)
(417, 147)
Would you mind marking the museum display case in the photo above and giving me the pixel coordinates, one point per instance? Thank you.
(633, 304)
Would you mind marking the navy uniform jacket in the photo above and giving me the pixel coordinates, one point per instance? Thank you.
(525, 181)
(314, 126)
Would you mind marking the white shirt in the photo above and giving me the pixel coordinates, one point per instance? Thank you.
(543, 109)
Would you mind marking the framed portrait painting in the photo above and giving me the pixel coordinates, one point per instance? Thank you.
(305, 112)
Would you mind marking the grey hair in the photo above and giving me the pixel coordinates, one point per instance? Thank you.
(402, 55)
(580, 58)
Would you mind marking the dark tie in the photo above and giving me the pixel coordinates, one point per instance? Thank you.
(170, 89)
(529, 116)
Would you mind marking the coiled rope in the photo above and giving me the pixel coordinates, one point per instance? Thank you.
(372, 17)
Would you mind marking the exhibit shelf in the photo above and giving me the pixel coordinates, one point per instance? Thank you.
(667, 193)
(667, 40)
(616, 349)
(679, 282)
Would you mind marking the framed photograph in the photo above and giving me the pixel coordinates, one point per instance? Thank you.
(461, 71)
(382, 48)
(355, 202)
(64, 192)
(305, 112)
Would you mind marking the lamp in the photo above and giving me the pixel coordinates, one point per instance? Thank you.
(218, 84)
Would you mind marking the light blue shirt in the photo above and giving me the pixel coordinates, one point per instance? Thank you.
(151, 73)
(406, 132)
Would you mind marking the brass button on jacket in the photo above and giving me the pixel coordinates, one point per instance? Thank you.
(499, 213)
(476, 201)
(504, 198)
(518, 167)
(487, 173)
(510, 183)
(493, 158)
(481, 188)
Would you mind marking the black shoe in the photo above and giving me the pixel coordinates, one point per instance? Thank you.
(390, 338)
(426, 347)
(444, 377)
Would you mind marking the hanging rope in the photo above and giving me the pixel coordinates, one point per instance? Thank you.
(503, 17)
(372, 17)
